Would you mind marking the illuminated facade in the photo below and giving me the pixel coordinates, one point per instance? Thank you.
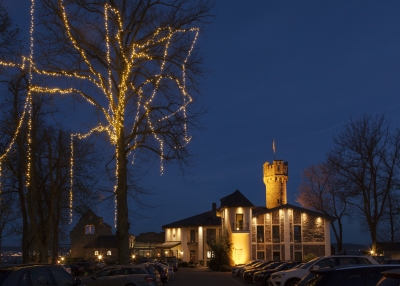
(278, 231)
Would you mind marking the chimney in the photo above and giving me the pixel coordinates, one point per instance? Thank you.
(214, 210)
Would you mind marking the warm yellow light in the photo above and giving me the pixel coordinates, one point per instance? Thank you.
(100, 257)
(114, 111)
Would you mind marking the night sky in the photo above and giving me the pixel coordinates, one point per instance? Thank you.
(293, 71)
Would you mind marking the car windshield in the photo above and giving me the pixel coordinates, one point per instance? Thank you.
(309, 263)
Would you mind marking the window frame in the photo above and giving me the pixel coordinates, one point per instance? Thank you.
(239, 223)
(276, 235)
(260, 233)
(297, 235)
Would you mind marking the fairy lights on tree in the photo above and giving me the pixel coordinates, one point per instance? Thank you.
(137, 70)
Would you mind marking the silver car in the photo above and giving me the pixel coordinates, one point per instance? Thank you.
(122, 275)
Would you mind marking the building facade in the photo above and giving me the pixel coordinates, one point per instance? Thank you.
(278, 231)
(93, 240)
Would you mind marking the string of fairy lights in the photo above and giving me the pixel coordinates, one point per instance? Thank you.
(115, 112)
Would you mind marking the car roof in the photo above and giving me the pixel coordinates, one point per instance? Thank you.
(350, 267)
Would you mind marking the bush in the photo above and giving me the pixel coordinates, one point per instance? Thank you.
(183, 264)
(309, 257)
(224, 268)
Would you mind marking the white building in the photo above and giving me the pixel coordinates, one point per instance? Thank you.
(279, 231)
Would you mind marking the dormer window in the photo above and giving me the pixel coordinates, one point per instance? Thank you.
(89, 229)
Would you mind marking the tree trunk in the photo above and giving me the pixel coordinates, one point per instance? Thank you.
(122, 199)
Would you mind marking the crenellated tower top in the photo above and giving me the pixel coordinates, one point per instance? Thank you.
(275, 179)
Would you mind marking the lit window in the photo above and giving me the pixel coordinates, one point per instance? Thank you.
(96, 252)
(210, 254)
(108, 252)
(239, 221)
(89, 229)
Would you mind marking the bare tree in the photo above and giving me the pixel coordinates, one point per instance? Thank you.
(321, 190)
(137, 65)
(9, 213)
(366, 156)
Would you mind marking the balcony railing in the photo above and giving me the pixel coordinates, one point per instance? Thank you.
(191, 240)
(240, 226)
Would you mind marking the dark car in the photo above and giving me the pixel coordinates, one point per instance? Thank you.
(162, 270)
(255, 265)
(248, 274)
(390, 278)
(88, 267)
(122, 275)
(75, 269)
(236, 268)
(31, 274)
(262, 276)
(391, 261)
(355, 275)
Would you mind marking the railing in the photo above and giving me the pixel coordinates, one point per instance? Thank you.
(240, 226)
(191, 240)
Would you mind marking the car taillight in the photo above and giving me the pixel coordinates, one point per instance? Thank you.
(149, 279)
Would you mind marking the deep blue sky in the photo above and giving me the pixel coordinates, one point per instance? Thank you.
(290, 70)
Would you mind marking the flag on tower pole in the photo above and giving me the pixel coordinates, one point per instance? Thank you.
(273, 147)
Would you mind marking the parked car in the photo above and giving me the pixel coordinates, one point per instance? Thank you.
(255, 265)
(87, 266)
(66, 267)
(122, 275)
(292, 276)
(391, 261)
(75, 270)
(171, 272)
(163, 270)
(39, 274)
(172, 261)
(390, 278)
(248, 274)
(356, 275)
(263, 275)
(236, 268)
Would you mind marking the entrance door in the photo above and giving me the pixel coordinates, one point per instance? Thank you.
(238, 255)
(193, 255)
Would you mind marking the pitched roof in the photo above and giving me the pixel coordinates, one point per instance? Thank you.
(263, 210)
(236, 199)
(103, 241)
(151, 236)
(202, 219)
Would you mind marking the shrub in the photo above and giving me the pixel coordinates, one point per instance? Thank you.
(309, 257)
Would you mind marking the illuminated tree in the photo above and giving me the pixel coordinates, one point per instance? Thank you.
(366, 157)
(136, 64)
(321, 190)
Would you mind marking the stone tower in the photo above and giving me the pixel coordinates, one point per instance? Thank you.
(275, 178)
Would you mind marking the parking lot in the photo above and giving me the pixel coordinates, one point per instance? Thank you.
(202, 276)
